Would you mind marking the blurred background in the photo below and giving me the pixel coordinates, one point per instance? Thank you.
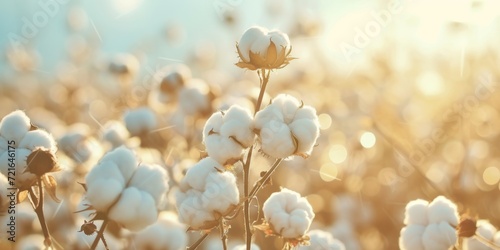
(405, 90)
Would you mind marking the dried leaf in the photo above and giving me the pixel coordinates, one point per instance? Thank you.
(83, 185)
(21, 196)
(50, 185)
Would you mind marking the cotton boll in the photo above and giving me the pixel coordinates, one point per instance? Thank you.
(204, 193)
(3, 144)
(124, 158)
(140, 120)
(103, 193)
(485, 229)
(249, 37)
(238, 123)
(14, 126)
(166, 233)
(23, 177)
(416, 212)
(277, 141)
(279, 39)
(31, 242)
(196, 175)
(193, 98)
(442, 209)
(289, 214)
(322, 240)
(287, 127)
(411, 237)
(145, 175)
(38, 138)
(134, 210)
(222, 149)
(439, 236)
(115, 133)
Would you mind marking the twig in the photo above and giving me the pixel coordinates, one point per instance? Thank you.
(100, 235)
(486, 242)
(199, 241)
(264, 78)
(223, 236)
(39, 211)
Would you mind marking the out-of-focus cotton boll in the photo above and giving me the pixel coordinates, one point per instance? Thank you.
(286, 127)
(244, 247)
(429, 225)
(140, 121)
(323, 240)
(83, 242)
(17, 132)
(193, 98)
(124, 64)
(288, 214)
(226, 134)
(78, 144)
(31, 242)
(205, 194)
(132, 194)
(169, 80)
(115, 132)
(166, 233)
(485, 229)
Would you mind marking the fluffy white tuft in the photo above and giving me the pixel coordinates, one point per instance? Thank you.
(485, 229)
(205, 193)
(258, 39)
(244, 247)
(166, 233)
(323, 240)
(287, 127)
(288, 214)
(14, 126)
(226, 134)
(115, 132)
(139, 121)
(429, 225)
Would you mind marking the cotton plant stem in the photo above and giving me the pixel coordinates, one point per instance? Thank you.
(486, 242)
(223, 236)
(38, 207)
(198, 242)
(264, 79)
(264, 179)
(100, 235)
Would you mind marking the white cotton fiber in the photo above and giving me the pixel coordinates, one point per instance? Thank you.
(14, 126)
(146, 174)
(287, 127)
(38, 139)
(250, 36)
(140, 120)
(322, 240)
(416, 213)
(205, 193)
(289, 214)
(226, 134)
(244, 247)
(442, 209)
(411, 237)
(429, 225)
(439, 236)
(166, 233)
(115, 132)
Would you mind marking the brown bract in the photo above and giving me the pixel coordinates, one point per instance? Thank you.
(272, 60)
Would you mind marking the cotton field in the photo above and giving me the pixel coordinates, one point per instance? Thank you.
(248, 125)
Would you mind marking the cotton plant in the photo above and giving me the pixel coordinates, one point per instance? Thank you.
(142, 122)
(322, 240)
(429, 225)
(78, 144)
(28, 155)
(166, 233)
(283, 129)
(115, 133)
(121, 189)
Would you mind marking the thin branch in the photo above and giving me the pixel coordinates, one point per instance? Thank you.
(486, 242)
(39, 211)
(199, 241)
(223, 235)
(100, 235)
